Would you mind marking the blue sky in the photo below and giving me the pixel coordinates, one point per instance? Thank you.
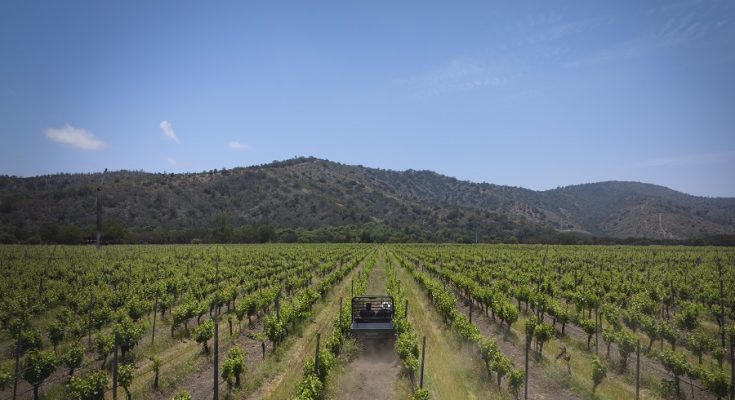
(537, 95)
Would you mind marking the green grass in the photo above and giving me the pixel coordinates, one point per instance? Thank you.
(452, 370)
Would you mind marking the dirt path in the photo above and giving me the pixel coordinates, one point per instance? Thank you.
(375, 370)
(372, 374)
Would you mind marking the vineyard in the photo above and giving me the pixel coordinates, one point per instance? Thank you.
(272, 322)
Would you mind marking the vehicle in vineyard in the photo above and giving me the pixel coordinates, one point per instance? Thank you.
(372, 317)
(597, 301)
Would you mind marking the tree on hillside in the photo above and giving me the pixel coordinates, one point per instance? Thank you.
(221, 229)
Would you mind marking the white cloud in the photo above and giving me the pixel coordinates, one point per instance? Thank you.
(236, 145)
(170, 161)
(75, 137)
(168, 131)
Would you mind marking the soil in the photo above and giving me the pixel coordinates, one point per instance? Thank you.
(370, 375)
(194, 384)
(375, 368)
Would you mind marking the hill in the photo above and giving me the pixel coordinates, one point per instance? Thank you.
(303, 197)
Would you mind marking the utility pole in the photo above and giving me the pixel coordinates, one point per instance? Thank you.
(98, 206)
(525, 385)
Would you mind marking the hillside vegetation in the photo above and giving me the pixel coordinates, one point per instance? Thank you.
(308, 199)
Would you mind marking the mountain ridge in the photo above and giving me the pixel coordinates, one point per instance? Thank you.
(310, 193)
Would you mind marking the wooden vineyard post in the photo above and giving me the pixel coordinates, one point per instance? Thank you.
(470, 312)
(114, 369)
(597, 332)
(89, 322)
(423, 357)
(525, 385)
(722, 305)
(353, 287)
(732, 367)
(17, 361)
(638, 370)
(155, 308)
(405, 310)
(316, 354)
(340, 311)
(216, 359)
(262, 347)
(153, 331)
